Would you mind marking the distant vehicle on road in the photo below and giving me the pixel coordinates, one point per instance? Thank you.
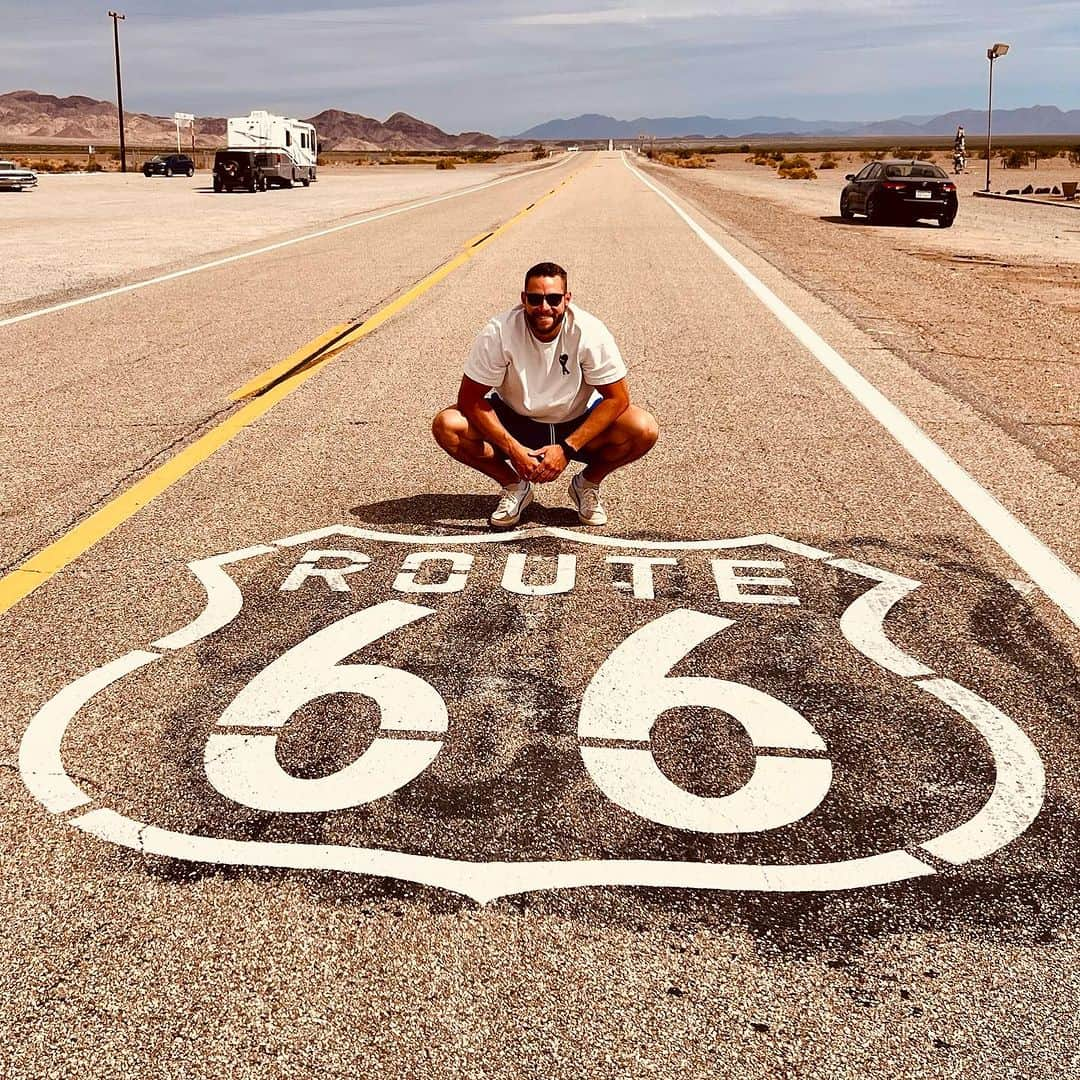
(900, 191)
(293, 141)
(15, 178)
(169, 165)
(252, 170)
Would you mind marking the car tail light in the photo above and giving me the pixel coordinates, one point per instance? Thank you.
(894, 185)
(948, 187)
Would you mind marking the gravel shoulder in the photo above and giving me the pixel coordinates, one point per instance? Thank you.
(989, 309)
(77, 233)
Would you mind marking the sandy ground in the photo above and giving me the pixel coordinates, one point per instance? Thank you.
(79, 232)
(1042, 234)
(989, 308)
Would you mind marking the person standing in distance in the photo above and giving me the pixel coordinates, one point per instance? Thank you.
(545, 385)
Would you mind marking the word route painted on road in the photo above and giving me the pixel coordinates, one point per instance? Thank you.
(498, 713)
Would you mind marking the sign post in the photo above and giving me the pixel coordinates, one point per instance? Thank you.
(185, 118)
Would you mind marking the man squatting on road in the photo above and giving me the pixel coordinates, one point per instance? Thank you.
(545, 385)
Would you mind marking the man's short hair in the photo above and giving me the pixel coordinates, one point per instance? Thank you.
(546, 269)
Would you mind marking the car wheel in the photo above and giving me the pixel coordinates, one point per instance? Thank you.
(191, 171)
(306, 183)
(168, 170)
(217, 184)
(946, 220)
(873, 211)
(845, 210)
(264, 184)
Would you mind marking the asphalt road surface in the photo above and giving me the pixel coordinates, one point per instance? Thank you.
(306, 773)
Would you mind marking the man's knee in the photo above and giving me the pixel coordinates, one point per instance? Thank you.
(449, 427)
(644, 430)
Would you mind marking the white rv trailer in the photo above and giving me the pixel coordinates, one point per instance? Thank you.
(261, 130)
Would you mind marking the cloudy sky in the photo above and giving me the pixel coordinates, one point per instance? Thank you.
(502, 67)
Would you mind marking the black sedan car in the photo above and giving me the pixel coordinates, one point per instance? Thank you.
(900, 191)
(169, 165)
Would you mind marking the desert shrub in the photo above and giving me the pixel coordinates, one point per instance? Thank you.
(796, 168)
(925, 155)
(54, 165)
(868, 155)
(1074, 156)
(1013, 158)
(447, 163)
(828, 161)
(539, 152)
(694, 161)
(667, 159)
(94, 166)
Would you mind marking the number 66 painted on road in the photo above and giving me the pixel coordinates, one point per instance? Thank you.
(621, 703)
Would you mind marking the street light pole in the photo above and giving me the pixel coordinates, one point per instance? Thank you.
(115, 16)
(996, 50)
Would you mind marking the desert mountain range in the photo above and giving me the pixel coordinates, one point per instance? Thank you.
(1036, 120)
(27, 116)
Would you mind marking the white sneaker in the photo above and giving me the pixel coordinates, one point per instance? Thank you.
(511, 505)
(586, 497)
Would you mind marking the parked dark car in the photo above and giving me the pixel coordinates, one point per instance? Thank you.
(236, 170)
(900, 191)
(169, 165)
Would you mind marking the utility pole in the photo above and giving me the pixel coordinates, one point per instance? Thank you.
(115, 16)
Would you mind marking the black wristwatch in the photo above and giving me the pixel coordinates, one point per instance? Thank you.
(566, 448)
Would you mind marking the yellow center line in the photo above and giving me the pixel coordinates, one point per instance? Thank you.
(263, 393)
(316, 352)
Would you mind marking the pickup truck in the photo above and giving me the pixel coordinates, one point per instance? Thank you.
(15, 178)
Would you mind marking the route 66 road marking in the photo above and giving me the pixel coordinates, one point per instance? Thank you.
(791, 774)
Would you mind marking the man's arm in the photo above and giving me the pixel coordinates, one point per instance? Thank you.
(615, 401)
(475, 407)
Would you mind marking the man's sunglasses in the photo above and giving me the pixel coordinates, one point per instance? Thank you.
(535, 299)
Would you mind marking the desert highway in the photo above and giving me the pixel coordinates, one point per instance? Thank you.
(307, 773)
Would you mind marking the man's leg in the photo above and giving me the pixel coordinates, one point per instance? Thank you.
(632, 436)
(463, 443)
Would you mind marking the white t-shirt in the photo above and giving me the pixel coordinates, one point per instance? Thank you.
(550, 381)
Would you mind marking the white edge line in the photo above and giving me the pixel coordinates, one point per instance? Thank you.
(1050, 573)
(365, 220)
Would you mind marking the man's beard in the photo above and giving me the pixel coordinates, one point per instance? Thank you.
(556, 322)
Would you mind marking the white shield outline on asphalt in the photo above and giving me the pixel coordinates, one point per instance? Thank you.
(1012, 806)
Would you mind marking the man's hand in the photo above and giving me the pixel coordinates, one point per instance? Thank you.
(550, 463)
(523, 460)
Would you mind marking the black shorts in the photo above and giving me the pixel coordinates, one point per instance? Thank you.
(535, 433)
